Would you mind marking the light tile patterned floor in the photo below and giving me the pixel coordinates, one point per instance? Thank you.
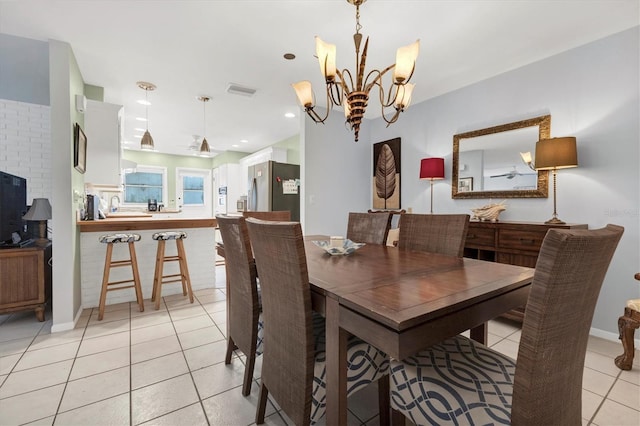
(167, 367)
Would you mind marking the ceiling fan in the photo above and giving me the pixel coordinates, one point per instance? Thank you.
(195, 144)
(512, 173)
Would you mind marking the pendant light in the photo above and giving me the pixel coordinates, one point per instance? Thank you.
(204, 148)
(147, 141)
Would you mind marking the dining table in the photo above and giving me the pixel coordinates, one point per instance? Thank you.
(403, 301)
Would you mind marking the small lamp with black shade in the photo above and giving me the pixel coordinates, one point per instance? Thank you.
(40, 211)
(553, 154)
(432, 169)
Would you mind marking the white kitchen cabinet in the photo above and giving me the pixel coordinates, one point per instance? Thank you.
(103, 128)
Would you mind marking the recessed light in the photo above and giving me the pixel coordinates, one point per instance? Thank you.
(289, 56)
(141, 119)
(235, 145)
(244, 141)
(289, 115)
(143, 102)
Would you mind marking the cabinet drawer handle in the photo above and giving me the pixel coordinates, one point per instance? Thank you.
(526, 240)
(471, 236)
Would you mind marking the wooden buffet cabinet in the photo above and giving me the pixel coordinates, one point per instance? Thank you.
(25, 279)
(515, 243)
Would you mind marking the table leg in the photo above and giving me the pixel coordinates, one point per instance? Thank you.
(479, 333)
(336, 358)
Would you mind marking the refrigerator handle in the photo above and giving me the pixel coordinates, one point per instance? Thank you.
(253, 200)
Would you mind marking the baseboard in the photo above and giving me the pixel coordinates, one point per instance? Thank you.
(65, 326)
(610, 336)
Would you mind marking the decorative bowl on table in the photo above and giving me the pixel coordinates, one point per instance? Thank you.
(347, 247)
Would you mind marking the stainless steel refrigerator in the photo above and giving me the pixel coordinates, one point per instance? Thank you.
(274, 186)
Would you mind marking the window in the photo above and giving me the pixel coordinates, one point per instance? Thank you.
(145, 183)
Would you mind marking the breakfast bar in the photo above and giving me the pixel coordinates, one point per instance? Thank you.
(199, 247)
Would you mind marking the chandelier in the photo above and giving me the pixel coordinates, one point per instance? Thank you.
(342, 90)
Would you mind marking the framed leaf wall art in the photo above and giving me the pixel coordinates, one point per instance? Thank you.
(386, 174)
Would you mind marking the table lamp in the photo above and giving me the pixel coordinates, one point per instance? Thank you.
(432, 169)
(553, 154)
(40, 211)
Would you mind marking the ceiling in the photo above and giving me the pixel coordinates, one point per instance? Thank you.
(190, 48)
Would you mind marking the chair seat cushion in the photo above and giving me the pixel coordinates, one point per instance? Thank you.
(119, 238)
(634, 304)
(458, 381)
(365, 365)
(260, 342)
(169, 235)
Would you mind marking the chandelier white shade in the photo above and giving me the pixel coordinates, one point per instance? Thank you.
(352, 95)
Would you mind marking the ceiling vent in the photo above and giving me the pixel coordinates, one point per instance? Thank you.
(236, 89)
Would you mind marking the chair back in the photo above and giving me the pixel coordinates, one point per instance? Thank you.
(288, 358)
(240, 267)
(569, 272)
(435, 233)
(278, 215)
(370, 228)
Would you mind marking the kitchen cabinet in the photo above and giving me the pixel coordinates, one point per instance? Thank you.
(515, 243)
(103, 128)
(25, 279)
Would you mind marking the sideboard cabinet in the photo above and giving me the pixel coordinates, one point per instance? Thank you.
(515, 243)
(25, 279)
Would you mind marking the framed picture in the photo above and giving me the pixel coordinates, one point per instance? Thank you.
(79, 149)
(386, 175)
(465, 184)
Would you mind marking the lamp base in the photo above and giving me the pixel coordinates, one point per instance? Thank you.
(42, 242)
(555, 221)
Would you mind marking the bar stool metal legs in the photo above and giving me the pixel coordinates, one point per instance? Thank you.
(107, 286)
(183, 276)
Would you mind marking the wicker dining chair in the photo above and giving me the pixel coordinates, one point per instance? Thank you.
(460, 381)
(278, 215)
(436, 233)
(394, 230)
(293, 363)
(370, 228)
(244, 322)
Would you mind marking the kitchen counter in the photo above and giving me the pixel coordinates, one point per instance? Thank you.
(199, 246)
(114, 224)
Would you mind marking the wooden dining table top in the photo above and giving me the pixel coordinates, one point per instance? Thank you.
(401, 289)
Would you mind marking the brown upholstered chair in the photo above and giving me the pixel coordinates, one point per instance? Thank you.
(293, 364)
(627, 325)
(243, 304)
(460, 381)
(278, 215)
(436, 233)
(370, 228)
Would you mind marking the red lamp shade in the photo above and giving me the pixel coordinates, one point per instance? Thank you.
(432, 168)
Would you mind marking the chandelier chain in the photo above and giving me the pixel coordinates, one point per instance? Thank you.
(358, 26)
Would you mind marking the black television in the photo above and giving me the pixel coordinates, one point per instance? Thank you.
(13, 205)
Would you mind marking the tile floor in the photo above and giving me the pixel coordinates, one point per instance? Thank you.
(167, 367)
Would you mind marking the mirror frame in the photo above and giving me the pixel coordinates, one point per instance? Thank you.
(542, 190)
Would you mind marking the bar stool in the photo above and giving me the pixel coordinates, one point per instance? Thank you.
(110, 240)
(159, 278)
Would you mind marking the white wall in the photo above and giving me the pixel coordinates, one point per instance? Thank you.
(336, 175)
(591, 92)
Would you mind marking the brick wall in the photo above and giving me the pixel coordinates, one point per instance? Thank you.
(25, 145)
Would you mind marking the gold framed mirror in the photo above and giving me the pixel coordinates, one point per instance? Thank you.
(487, 162)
